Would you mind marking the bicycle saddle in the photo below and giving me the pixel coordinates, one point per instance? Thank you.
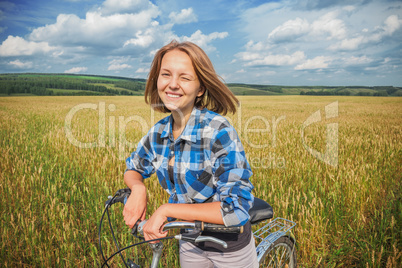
(260, 211)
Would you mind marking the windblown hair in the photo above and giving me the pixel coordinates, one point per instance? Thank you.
(217, 96)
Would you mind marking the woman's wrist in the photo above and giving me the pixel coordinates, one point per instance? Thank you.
(137, 187)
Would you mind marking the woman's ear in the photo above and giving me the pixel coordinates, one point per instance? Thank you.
(201, 92)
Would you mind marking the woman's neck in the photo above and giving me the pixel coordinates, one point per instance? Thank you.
(179, 123)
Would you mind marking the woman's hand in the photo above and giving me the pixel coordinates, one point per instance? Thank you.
(136, 206)
(153, 228)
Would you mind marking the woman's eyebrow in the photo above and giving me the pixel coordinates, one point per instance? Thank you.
(183, 73)
(188, 74)
(165, 69)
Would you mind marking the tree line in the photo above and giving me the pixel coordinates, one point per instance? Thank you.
(378, 91)
(44, 85)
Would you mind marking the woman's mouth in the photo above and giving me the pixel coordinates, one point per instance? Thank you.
(175, 96)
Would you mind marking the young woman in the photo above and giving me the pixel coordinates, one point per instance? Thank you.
(197, 156)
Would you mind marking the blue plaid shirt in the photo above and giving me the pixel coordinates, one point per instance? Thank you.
(209, 163)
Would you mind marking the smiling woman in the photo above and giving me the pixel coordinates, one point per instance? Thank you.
(197, 156)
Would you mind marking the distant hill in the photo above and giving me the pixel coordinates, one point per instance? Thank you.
(250, 89)
(76, 84)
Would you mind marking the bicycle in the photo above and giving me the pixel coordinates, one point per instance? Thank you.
(275, 241)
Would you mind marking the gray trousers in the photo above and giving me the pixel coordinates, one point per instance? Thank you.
(193, 257)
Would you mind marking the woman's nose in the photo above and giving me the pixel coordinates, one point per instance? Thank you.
(174, 83)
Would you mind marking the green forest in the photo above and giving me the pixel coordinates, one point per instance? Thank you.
(80, 85)
(69, 85)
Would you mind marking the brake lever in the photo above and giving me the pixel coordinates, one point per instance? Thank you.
(120, 196)
(195, 237)
(137, 230)
(211, 239)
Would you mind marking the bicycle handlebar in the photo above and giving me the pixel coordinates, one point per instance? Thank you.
(202, 226)
(194, 235)
(122, 195)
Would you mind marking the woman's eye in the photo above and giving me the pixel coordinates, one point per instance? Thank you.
(165, 74)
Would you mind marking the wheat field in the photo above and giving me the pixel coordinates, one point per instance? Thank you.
(61, 157)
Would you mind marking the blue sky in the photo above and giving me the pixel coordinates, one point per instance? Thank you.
(299, 42)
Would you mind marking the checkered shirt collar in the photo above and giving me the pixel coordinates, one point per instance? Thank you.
(189, 133)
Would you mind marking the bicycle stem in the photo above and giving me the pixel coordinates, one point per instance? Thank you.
(157, 253)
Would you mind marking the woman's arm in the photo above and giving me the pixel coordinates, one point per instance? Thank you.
(206, 212)
(136, 205)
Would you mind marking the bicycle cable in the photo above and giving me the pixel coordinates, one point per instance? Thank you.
(111, 229)
(114, 238)
(119, 251)
(100, 230)
(134, 245)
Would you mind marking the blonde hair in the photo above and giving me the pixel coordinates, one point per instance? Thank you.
(217, 96)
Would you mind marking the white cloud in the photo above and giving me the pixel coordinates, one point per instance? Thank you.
(21, 65)
(142, 70)
(118, 67)
(95, 30)
(257, 46)
(119, 64)
(329, 24)
(391, 24)
(17, 46)
(255, 59)
(142, 39)
(203, 40)
(118, 28)
(348, 44)
(353, 60)
(76, 70)
(124, 6)
(290, 30)
(320, 62)
(185, 16)
(326, 25)
(337, 36)
(114, 28)
(349, 8)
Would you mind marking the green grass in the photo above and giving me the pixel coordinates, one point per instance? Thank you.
(53, 193)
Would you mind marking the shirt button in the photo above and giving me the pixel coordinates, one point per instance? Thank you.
(172, 152)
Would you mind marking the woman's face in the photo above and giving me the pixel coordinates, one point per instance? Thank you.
(178, 84)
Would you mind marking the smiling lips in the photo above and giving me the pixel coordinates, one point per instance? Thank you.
(172, 95)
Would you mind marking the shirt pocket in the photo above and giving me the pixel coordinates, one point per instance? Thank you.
(200, 184)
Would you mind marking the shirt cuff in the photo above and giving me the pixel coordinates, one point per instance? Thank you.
(233, 214)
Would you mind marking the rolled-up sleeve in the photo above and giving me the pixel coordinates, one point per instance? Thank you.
(141, 160)
(232, 172)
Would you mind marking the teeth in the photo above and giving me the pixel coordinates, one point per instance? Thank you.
(173, 96)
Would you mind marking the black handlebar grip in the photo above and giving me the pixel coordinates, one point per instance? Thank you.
(217, 228)
(122, 195)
